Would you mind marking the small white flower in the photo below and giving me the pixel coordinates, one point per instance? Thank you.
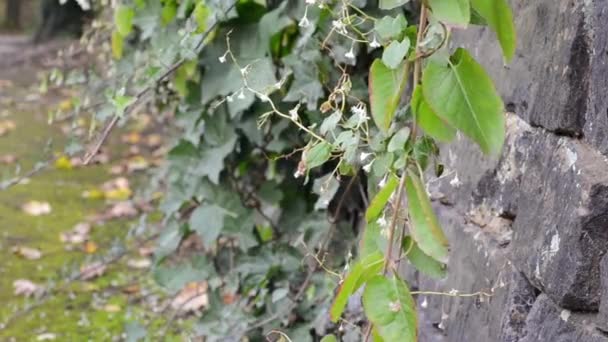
(279, 84)
(424, 303)
(230, 98)
(310, 2)
(293, 113)
(304, 22)
(245, 70)
(350, 54)
(382, 222)
(368, 167)
(455, 182)
(222, 58)
(382, 182)
(241, 95)
(374, 44)
(298, 174)
(453, 292)
(361, 112)
(364, 156)
(339, 26)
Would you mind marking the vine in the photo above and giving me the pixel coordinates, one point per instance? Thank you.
(292, 114)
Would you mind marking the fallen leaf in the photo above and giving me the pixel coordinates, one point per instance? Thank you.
(134, 150)
(6, 83)
(46, 337)
(145, 251)
(36, 208)
(78, 234)
(137, 163)
(93, 194)
(90, 247)
(154, 140)
(27, 252)
(131, 138)
(91, 271)
(131, 289)
(8, 159)
(139, 263)
(27, 288)
(121, 210)
(118, 169)
(111, 308)
(192, 297)
(63, 163)
(229, 298)
(7, 126)
(65, 105)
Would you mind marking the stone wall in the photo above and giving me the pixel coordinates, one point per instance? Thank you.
(530, 228)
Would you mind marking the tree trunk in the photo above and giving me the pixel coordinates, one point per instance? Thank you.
(13, 13)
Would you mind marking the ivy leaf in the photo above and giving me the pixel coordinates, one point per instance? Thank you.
(394, 54)
(390, 4)
(390, 27)
(428, 120)
(123, 19)
(462, 94)
(364, 269)
(425, 227)
(329, 338)
(385, 89)
(421, 261)
(377, 204)
(397, 142)
(389, 305)
(318, 155)
(330, 123)
(499, 17)
(208, 221)
(451, 11)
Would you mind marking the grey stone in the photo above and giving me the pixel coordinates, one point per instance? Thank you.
(548, 322)
(522, 296)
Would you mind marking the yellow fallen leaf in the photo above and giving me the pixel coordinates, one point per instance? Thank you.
(65, 105)
(90, 247)
(131, 138)
(192, 297)
(93, 194)
(63, 163)
(119, 194)
(137, 163)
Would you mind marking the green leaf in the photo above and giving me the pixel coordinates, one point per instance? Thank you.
(123, 19)
(451, 11)
(390, 27)
(372, 241)
(117, 45)
(389, 305)
(377, 204)
(390, 4)
(421, 261)
(462, 94)
(329, 338)
(499, 17)
(428, 120)
(169, 12)
(425, 228)
(201, 14)
(330, 123)
(208, 221)
(397, 142)
(394, 54)
(318, 155)
(363, 270)
(385, 89)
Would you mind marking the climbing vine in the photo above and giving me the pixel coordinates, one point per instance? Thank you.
(291, 115)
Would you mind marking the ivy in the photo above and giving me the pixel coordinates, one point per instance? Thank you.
(273, 101)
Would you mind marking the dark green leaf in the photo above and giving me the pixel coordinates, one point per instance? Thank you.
(499, 17)
(376, 207)
(397, 142)
(208, 221)
(428, 120)
(318, 155)
(425, 228)
(385, 89)
(463, 94)
(421, 261)
(390, 4)
(390, 307)
(363, 270)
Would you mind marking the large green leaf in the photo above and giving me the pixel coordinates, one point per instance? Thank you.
(208, 221)
(421, 261)
(389, 305)
(462, 94)
(395, 53)
(377, 204)
(499, 17)
(390, 27)
(363, 270)
(425, 228)
(318, 155)
(451, 11)
(385, 89)
(428, 120)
